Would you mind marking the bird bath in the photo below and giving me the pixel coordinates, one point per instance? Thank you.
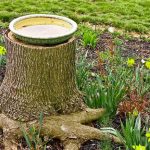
(42, 29)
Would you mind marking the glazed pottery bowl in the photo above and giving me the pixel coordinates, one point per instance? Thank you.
(43, 29)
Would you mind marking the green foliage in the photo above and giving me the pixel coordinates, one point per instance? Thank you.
(105, 55)
(2, 60)
(123, 14)
(89, 38)
(133, 132)
(141, 80)
(82, 72)
(118, 42)
(106, 145)
(32, 137)
(6, 16)
(2, 56)
(107, 92)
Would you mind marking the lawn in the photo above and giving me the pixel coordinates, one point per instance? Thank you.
(131, 15)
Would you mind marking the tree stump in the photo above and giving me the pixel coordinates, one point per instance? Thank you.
(42, 79)
(39, 79)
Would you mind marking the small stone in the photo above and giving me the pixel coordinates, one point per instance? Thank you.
(93, 74)
(63, 128)
(142, 61)
(111, 29)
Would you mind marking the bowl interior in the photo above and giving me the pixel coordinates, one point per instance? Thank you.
(42, 27)
(41, 21)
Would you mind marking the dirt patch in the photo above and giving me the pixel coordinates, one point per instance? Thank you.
(134, 47)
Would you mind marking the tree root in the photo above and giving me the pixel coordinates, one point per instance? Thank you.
(70, 129)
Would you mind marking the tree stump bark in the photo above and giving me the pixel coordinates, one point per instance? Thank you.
(42, 79)
(39, 79)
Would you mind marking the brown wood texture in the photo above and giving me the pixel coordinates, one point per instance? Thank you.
(39, 79)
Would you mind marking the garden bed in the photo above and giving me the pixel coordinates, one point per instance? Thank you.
(91, 66)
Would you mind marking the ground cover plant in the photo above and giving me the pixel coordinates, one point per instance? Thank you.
(131, 15)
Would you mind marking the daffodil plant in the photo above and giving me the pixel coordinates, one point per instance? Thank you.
(139, 147)
(2, 55)
(148, 135)
(145, 140)
(130, 62)
(147, 64)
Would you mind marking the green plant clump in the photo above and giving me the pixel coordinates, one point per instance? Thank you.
(32, 137)
(89, 38)
(2, 56)
(123, 14)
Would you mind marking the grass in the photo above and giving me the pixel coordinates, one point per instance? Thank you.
(131, 15)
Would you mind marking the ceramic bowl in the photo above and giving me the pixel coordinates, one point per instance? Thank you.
(42, 35)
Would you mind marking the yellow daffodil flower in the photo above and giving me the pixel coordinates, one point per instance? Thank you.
(148, 135)
(2, 50)
(135, 112)
(130, 62)
(147, 64)
(139, 147)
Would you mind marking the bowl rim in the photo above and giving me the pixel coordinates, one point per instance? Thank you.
(68, 20)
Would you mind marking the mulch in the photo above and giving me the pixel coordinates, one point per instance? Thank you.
(134, 47)
(130, 48)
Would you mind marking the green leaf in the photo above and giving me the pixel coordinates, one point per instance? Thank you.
(26, 137)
